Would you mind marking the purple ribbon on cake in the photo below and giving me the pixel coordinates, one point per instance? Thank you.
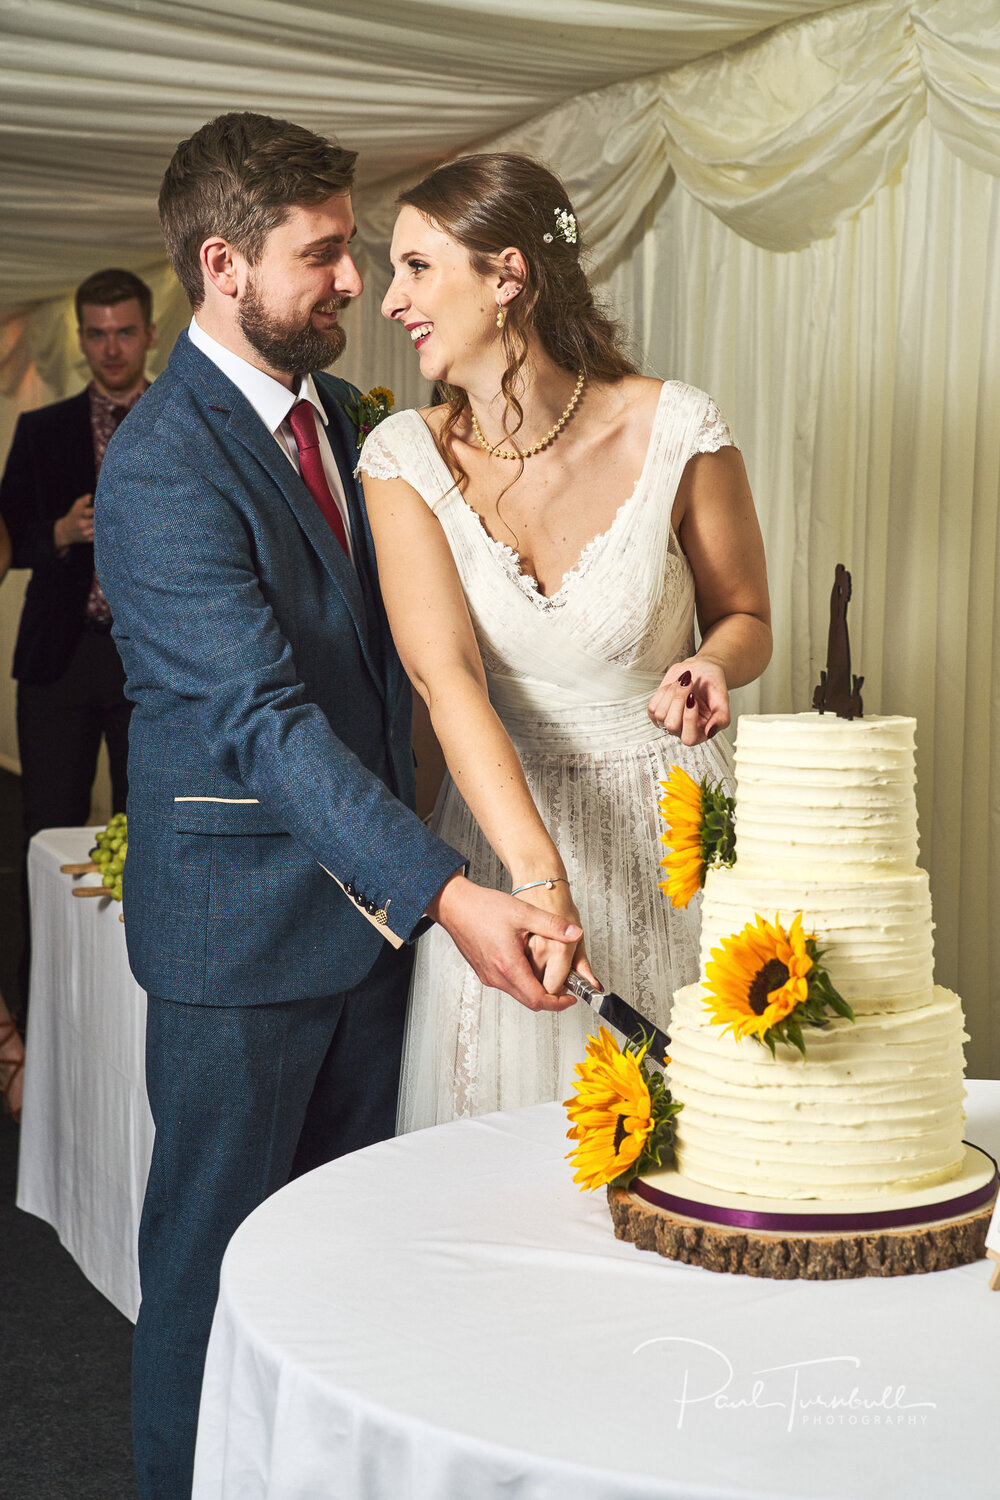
(818, 1223)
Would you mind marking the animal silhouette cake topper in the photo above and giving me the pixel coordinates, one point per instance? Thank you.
(838, 691)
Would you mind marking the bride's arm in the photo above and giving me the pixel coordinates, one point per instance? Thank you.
(433, 633)
(716, 524)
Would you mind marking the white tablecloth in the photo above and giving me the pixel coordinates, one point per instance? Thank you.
(86, 1130)
(446, 1317)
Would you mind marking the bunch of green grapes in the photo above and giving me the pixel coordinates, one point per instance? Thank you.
(109, 854)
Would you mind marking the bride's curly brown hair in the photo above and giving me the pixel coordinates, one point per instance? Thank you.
(495, 200)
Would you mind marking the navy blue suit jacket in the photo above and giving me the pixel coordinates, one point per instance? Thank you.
(51, 464)
(272, 847)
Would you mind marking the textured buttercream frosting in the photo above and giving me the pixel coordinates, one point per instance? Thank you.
(875, 936)
(818, 791)
(826, 826)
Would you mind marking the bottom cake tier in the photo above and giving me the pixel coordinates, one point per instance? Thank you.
(874, 1109)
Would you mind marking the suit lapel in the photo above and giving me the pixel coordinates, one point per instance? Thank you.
(343, 442)
(74, 440)
(246, 428)
(77, 441)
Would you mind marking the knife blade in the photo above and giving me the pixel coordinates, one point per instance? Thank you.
(618, 1013)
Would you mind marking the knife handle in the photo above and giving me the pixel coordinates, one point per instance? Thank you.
(578, 986)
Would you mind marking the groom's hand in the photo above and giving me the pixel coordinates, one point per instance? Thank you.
(491, 931)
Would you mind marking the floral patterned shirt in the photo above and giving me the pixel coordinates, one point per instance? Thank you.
(105, 418)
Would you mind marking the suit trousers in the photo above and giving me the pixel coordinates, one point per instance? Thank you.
(59, 729)
(304, 1081)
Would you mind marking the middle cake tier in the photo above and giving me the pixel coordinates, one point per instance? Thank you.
(875, 933)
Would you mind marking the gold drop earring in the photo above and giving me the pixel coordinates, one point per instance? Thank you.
(501, 315)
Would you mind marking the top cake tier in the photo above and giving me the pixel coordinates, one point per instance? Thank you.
(831, 797)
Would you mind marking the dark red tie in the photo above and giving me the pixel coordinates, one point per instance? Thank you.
(302, 420)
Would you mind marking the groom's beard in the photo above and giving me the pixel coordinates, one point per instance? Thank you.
(294, 349)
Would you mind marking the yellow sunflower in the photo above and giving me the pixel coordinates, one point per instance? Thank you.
(611, 1112)
(685, 863)
(758, 977)
(382, 393)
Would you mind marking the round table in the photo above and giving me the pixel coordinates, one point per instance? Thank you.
(446, 1317)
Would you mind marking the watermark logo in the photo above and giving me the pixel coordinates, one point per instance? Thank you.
(828, 1391)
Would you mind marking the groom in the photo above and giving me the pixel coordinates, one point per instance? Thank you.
(276, 874)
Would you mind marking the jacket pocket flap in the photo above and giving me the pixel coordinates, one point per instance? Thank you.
(223, 815)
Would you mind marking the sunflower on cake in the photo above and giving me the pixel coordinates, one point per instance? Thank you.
(815, 1063)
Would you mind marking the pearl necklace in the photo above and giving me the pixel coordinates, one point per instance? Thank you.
(552, 433)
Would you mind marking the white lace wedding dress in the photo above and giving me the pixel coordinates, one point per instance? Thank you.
(570, 676)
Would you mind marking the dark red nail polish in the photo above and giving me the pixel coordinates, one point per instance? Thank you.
(689, 701)
(685, 679)
(711, 731)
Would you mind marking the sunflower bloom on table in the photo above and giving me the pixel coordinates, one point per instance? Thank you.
(766, 983)
(699, 833)
(622, 1116)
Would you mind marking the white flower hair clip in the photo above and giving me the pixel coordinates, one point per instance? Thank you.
(565, 228)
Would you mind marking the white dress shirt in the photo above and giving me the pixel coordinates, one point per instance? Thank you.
(272, 402)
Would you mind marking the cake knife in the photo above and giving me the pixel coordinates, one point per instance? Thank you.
(619, 1014)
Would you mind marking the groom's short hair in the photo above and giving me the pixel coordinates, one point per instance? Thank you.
(237, 177)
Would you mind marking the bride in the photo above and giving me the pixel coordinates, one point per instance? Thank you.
(545, 539)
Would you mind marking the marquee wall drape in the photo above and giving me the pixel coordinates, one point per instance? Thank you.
(862, 376)
(803, 224)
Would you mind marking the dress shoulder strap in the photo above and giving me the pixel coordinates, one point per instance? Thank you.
(403, 447)
(679, 406)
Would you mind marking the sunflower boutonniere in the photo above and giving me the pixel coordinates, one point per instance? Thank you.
(701, 833)
(767, 983)
(622, 1115)
(368, 411)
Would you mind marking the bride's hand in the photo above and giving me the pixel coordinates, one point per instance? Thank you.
(692, 701)
(553, 961)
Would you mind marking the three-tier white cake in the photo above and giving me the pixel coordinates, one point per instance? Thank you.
(826, 825)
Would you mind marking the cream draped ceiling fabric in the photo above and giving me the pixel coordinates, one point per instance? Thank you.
(97, 94)
(800, 217)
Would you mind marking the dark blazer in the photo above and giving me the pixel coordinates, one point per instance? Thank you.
(51, 463)
(271, 846)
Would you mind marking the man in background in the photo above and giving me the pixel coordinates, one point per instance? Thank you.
(70, 681)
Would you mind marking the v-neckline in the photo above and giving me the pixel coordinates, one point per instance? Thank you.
(524, 581)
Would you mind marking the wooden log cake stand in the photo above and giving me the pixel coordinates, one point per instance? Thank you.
(928, 1231)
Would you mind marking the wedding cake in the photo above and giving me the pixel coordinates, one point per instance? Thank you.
(825, 826)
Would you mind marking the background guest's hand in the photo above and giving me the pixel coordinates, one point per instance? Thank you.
(77, 525)
(492, 932)
(692, 701)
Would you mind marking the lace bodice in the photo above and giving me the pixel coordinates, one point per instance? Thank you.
(622, 613)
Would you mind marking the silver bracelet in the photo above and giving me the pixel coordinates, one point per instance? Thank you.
(548, 884)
